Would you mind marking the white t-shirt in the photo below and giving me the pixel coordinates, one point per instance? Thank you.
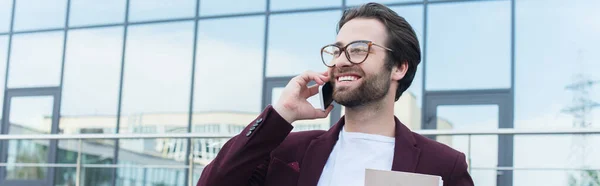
(352, 154)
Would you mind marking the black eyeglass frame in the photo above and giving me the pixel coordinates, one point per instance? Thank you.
(343, 49)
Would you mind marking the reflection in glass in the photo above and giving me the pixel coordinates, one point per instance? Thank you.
(226, 57)
(35, 60)
(40, 14)
(546, 96)
(232, 57)
(66, 176)
(215, 7)
(3, 55)
(156, 93)
(150, 176)
(91, 12)
(29, 115)
(145, 10)
(292, 4)
(5, 14)
(89, 102)
(473, 53)
(563, 151)
(287, 59)
(91, 81)
(484, 149)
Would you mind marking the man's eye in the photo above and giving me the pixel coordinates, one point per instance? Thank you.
(358, 50)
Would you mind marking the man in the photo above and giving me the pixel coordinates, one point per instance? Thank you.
(372, 63)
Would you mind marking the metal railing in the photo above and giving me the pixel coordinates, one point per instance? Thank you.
(190, 167)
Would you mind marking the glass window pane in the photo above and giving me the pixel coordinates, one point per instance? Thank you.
(35, 60)
(484, 149)
(5, 13)
(3, 57)
(90, 95)
(91, 82)
(91, 12)
(561, 151)
(556, 50)
(360, 2)
(93, 152)
(219, 107)
(408, 107)
(29, 115)
(40, 14)
(214, 7)
(468, 45)
(156, 91)
(220, 47)
(293, 4)
(139, 176)
(145, 10)
(289, 56)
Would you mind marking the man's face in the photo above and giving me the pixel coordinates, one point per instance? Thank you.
(358, 84)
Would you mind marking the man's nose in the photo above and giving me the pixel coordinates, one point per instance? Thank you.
(342, 60)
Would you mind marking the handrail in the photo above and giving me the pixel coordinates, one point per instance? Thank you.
(208, 135)
(73, 165)
(190, 166)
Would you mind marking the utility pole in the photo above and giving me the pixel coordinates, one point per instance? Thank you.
(581, 108)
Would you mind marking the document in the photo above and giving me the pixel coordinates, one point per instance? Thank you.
(397, 178)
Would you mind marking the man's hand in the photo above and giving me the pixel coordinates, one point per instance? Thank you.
(292, 104)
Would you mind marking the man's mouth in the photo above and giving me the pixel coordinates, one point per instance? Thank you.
(347, 79)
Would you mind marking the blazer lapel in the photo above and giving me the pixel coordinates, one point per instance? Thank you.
(406, 152)
(317, 154)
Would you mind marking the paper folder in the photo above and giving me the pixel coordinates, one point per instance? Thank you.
(397, 178)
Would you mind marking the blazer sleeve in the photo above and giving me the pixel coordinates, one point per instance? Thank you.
(460, 175)
(244, 159)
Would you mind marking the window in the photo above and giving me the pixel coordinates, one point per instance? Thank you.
(468, 45)
(146, 10)
(234, 57)
(91, 12)
(556, 48)
(292, 4)
(5, 14)
(40, 14)
(3, 56)
(35, 60)
(215, 7)
(91, 77)
(289, 51)
(156, 88)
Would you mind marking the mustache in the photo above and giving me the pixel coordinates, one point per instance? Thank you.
(342, 70)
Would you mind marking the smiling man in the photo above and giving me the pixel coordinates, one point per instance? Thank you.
(373, 61)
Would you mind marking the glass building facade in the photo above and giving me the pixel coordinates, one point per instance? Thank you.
(211, 66)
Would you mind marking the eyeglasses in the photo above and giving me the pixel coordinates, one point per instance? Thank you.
(356, 52)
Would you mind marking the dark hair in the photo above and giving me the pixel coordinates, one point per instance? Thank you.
(401, 39)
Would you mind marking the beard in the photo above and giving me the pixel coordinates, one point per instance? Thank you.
(372, 88)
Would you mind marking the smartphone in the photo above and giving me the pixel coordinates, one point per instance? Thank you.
(326, 95)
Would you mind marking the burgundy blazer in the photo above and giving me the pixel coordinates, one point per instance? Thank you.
(267, 153)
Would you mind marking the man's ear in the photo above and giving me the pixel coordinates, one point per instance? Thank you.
(399, 71)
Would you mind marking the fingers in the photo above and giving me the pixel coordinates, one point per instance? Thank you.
(313, 90)
(309, 76)
(323, 114)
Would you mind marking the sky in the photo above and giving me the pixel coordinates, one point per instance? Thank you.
(468, 47)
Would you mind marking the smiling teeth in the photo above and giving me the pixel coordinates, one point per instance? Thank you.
(346, 78)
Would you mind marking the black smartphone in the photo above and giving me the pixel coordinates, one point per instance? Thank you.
(326, 93)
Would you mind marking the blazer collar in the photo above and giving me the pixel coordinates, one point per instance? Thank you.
(406, 152)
